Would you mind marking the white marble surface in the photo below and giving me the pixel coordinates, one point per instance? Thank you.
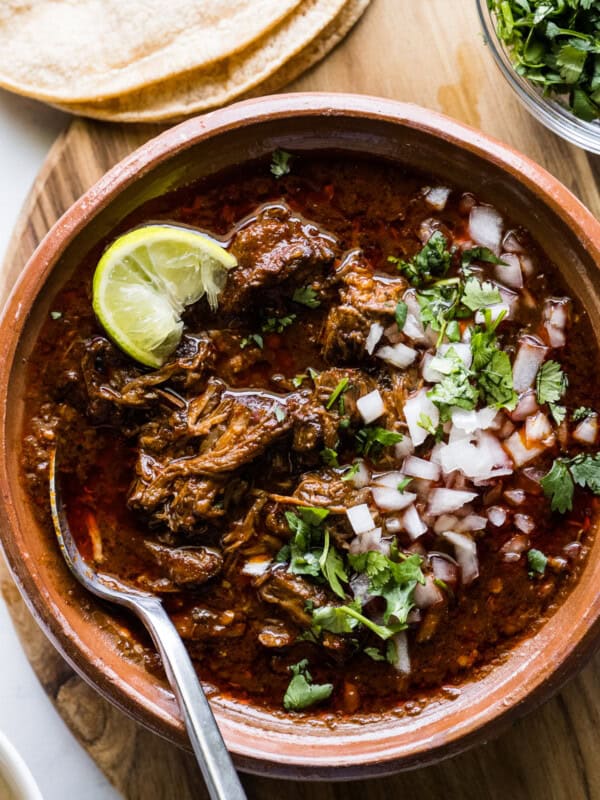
(60, 766)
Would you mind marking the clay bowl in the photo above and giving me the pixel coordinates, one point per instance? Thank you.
(83, 631)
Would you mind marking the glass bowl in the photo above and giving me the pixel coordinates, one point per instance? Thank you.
(546, 110)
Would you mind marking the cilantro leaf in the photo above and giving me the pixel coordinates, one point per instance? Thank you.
(551, 382)
(332, 567)
(478, 295)
(455, 388)
(371, 440)
(401, 314)
(585, 470)
(433, 260)
(253, 338)
(351, 471)
(393, 581)
(537, 561)
(582, 413)
(343, 619)
(306, 296)
(495, 382)
(329, 456)
(279, 411)
(341, 387)
(374, 653)
(302, 692)
(280, 163)
(558, 486)
(277, 324)
(479, 254)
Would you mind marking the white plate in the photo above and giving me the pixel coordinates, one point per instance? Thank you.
(16, 781)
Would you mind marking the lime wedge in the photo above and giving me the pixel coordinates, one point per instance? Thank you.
(145, 280)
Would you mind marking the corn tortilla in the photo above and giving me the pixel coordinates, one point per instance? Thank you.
(83, 50)
(295, 44)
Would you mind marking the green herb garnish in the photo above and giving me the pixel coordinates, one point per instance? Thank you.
(253, 338)
(432, 261)
(371, 440)
(401, 314)
(302, 692)
(537, 562)
(581, 413)
(277, 324)
(280, 163)
(306, 296)
(341, 387)
(559, 483)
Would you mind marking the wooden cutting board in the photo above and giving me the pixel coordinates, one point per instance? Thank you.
(429, 52)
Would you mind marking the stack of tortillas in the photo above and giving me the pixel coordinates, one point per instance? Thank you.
(162, 60)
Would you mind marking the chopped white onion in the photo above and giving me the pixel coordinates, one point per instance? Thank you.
(442, 501)
(444, 568)
(429, 374)
(587, 430)
(257, 567)
(524, 522)
(497, 516)
(375, 334)
(515, 546)
(371, 540)
(394, 525)
(529, 359)
(371, 406)
(414, 329)
(521, 452)
(556, 314)
(388, 479)
(416, 405)
(413, 523)
(471, 421)
(360, 518)
(537, 428)
(462, 350)
(401, 660)
(494, 311)
(420, 468)
(482, 461)
(359, 586)
(445, 522)
(472, 522)
(427, 594)
(526, 406)
(398, 355)
(362, 476)
(438, 197)
(404, 447)
(485, 227)
(465, 551)
(388, 499)
(516, 497)
(509, 272)
(511, 243)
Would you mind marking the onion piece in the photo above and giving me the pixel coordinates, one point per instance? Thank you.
(587, 430)
(445, 522)
(445, 568)
(359, 586)
(442, 501)
(370, 406)
(509, 272)
(526, 406)
(524, 523)
(375, 334)
(420, 468)
(515, 546)
(529, 359)
(427, 594)
(437, 197)
(472, 522)
(518, 449)
(360, 518)
(394, 525)
(413, 523)
(537, 428)
(256, 566)
(497, 516)
(398, 355)
(405, 447)
(516, 497)
(388, 499)
(370, 541)
(465, 551)
(388, 479)
(401, 659)
(416, 405)
(556, 315)
(512, 244)
(362, 476)
(470, 421)
(462, 350)
(481, 461)
(485, 227)
(413, 329)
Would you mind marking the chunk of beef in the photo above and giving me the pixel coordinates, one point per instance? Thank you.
(358, 384)
(186, 567)
(112, 380)
(326, 488)
(344, 335)
(274, 247)
(290, 593)
(201, 623)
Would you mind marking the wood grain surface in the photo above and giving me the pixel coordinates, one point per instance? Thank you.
(429, 52)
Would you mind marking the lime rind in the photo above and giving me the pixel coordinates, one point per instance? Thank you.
(145, 280)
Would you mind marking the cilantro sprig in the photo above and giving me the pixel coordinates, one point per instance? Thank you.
(559, 483)
(433, 260)
(302, 692)
(550, 385)
(280, 163)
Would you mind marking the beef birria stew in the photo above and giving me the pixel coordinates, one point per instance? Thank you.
(368, 468)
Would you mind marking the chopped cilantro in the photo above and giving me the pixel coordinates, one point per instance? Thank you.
(332, 567)
(279, 411)
(585, 470)
(537, 562)
(339, 390)
(480, 254)
(371, 440)
(403, 484)
(495, 382)
(329, 456)
(302, 692)
(393, 581)
(351, 471)
(455, 388)
(426, 423)
(343, 619)
(374, 653)
(306, 296)
(477, 295)
(56, 314)
(582, 413)
(401, 314)
(432, 261)
(280, 163)
(558, 412)
(558, 486)
(253, 338)
(277, 324)
(298, 380)
(551, 382)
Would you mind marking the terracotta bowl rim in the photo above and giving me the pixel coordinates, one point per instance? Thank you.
(248, 754)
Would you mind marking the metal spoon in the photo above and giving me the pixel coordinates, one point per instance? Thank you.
(213, 758)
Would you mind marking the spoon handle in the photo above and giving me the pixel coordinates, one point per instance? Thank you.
(213, 757)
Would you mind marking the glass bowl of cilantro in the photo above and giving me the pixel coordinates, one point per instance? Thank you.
(549, 51)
